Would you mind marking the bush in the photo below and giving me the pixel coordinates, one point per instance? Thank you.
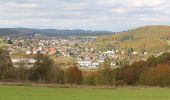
(156, 76)
(5, 61)
(105, 76)
(119, 83)
(130, 74)
(90, 79)
(73, 75)
(42, 69)
(18, 74)
(10, 74)
(57, 75)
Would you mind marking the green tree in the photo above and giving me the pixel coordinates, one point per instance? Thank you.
(5, 61)
(57, 75)
(90, 79)
(42, 68)
(105, 74)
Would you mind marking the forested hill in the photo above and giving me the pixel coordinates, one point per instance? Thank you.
(149, 38)
(51, 32)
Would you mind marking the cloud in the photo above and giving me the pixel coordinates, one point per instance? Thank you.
(146, 3)
(112, 15)
(18, 5)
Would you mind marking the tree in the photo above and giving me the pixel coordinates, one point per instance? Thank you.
(57, 75)
(156, 76)
(73, 75)
(90, 78)
(42, 68)
(105, 75)
(130, 51)
(132, 73)
(11, 74)
(5, 61)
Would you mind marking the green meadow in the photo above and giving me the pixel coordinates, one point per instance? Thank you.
(47, 93)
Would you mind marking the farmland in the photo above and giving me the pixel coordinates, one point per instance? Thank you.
(45, 93)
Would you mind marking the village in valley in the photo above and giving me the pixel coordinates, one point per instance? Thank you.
(84, 50)
(77, 48)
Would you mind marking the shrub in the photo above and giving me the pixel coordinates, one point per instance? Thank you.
(90, 79)
(156, 76)
(5, 61)
(132, 73)
(73, 75)
(57, 75)
(42, 69)
(17, 74)
(119, 83)
(10, 74)
(105, 76)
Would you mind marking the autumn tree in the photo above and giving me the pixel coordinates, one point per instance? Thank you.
(156, 76)
(73, 75)
(130, 73)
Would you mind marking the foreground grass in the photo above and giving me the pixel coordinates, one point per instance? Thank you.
(43, 93)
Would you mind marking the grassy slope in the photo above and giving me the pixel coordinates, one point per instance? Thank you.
(152, 38)
(2, 43)
(64, 60)
(42, 93)
(168, 42)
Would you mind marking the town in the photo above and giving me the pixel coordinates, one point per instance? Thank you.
(76, 48)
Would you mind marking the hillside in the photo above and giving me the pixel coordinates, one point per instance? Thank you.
(148, 38)
(2, 43)
(27, 32)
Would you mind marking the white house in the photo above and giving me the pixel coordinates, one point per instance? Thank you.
(28, 52)
(85, 63)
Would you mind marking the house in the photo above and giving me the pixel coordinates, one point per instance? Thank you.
(52, 51)
(85, 63)
(95, 64)
(35, 52)
(29, 62)
(28, 52)
(134, 53)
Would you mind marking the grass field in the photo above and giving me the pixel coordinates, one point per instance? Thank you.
(44, 93)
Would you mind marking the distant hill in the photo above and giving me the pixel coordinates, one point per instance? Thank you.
(148, 38)
(50, 32)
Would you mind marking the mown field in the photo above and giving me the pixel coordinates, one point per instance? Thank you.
(44, 93)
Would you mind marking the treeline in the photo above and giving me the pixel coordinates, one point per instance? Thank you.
(44, 70)
(153, 72)
(30, 32)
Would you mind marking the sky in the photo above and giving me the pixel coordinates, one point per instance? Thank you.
(111, 15)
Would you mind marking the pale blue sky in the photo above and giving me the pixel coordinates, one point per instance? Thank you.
(113, 15)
